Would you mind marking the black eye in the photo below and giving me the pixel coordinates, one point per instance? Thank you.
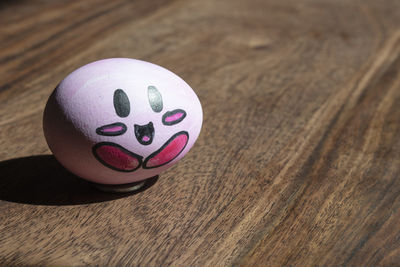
(121, 103)
(155, 99)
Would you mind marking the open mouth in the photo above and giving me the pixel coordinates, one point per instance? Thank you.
(144, 133)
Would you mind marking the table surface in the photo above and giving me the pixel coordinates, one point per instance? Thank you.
(298, 162)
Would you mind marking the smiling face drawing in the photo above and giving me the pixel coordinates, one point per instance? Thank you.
(121, 120)
(118, 158)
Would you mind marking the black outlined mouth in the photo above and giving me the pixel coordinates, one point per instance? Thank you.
(144, 133)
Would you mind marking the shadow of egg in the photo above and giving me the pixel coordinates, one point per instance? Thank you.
(41, 180)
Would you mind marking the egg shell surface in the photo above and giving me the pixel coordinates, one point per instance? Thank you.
(120, 120)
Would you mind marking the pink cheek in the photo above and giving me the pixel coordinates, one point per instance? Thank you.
(174, 117)
(116, 157)
(113, 129)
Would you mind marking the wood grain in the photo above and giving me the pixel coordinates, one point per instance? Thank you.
(298, 162)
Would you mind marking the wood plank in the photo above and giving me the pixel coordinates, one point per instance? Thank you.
(298, 162)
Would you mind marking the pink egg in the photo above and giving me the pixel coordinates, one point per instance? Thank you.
(120, 120)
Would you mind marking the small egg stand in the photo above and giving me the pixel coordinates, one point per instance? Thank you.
(125, 188)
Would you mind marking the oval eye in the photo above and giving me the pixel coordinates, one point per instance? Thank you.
(155, 99)
(121, 103)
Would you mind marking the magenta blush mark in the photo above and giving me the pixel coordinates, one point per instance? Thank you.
(112, 129)
(168, 152)
(116, 157)
(174, 117)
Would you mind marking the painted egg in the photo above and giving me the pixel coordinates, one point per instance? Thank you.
(120, 120)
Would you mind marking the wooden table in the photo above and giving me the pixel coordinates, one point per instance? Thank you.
(298, 162)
